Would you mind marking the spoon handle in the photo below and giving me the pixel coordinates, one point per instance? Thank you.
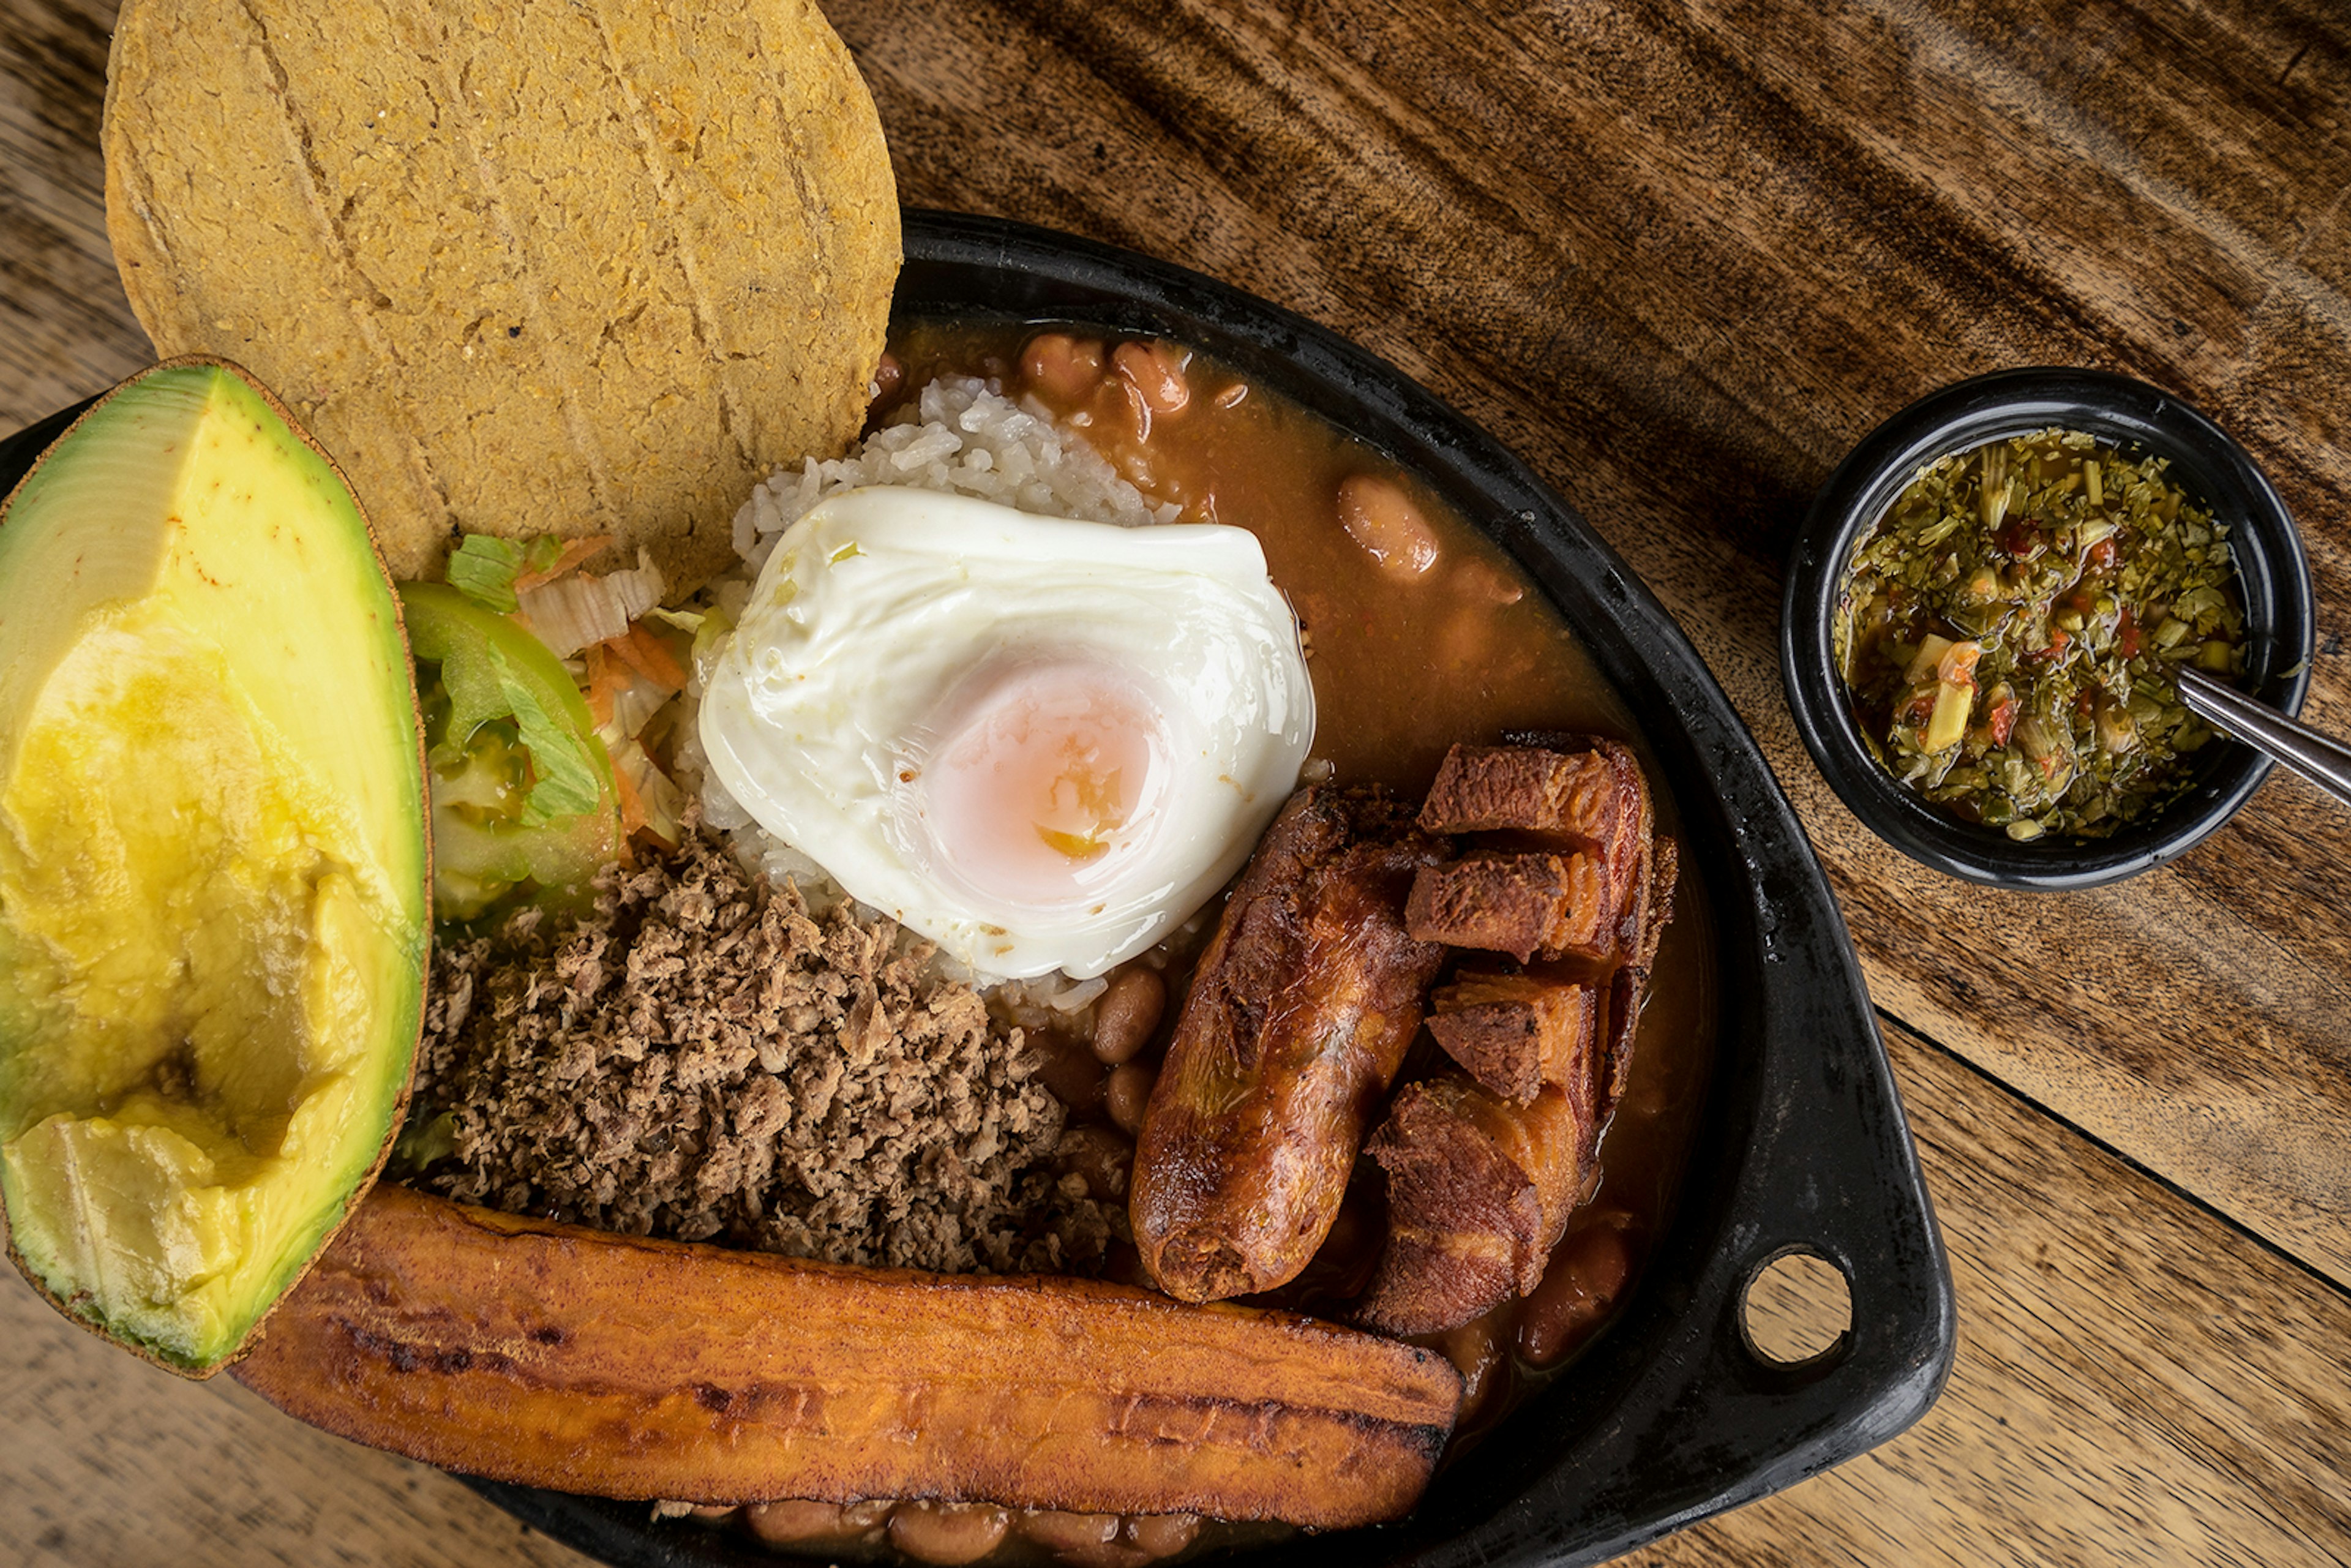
(2323, 761)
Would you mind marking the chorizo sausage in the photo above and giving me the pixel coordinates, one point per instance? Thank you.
(1296, 1023)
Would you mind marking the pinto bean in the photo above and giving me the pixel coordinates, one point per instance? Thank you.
(1070, 1531)
(1476, 1351)
(1070, 1070)
(1483, 582)
(1128, 1091)
(1128, 1013)
(1063, 368)
(948, 1532)
(1378, 515)
(783, 1524)
(1101, 1157)
(1163, 1534)
(1156, 371)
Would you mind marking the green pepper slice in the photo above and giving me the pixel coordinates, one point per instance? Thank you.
(524, 807)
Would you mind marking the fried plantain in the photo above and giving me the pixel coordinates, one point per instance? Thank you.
(554, 1356)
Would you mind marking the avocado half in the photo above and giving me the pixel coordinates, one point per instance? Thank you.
(214, 869)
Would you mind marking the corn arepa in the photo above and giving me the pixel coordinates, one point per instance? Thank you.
(586, 268)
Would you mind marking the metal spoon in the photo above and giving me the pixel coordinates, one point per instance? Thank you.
(2326, 763)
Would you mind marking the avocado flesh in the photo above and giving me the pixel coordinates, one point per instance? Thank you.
(214, 916)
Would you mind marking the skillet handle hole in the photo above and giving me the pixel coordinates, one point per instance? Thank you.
(1796, 1310)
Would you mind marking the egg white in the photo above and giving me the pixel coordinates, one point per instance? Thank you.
(881, 599)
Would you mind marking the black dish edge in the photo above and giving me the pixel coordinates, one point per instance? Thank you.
(2273, 571)
(1671, 1415)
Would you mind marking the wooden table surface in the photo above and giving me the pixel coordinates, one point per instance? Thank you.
(1680, 256)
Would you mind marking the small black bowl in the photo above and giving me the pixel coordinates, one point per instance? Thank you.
(2274, 579)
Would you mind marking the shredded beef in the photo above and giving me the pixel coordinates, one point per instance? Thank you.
(703, 1059)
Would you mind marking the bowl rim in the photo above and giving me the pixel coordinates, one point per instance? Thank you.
(2274, 570)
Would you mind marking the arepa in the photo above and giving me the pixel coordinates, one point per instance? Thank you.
(594, 267)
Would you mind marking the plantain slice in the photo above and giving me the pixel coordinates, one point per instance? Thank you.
(555, 1356)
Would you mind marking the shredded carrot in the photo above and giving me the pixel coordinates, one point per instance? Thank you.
(645, 652)
(622, 652)
(573, 554)
(633, 805)
(661, 658)
(599, 686)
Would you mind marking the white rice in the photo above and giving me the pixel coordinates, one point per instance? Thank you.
(960, 434)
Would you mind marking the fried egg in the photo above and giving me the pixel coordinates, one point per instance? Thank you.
(1039, 743)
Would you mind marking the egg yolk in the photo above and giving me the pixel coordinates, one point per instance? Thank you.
(1044, 780)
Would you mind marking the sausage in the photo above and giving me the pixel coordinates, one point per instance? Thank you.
(1296, 1023)
(551, 1355)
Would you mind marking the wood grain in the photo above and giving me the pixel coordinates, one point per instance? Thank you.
(1680, 256)
(2138, 1382)
(111, 1462)
(66, 329)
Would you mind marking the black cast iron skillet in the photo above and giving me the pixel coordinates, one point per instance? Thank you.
(1672, 1415)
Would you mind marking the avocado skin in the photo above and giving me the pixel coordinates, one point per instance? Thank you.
(393, 1031)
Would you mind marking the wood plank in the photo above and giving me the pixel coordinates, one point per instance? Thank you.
(111, 1460)
(1681, 258)
(66, 331)
(2137, 1380)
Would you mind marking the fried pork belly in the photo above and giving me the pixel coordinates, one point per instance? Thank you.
(1590, 799)
(1485, 1166)
(1298, 1019)
(1523, 903)
(1515, 1033)
(1479, 1193)
(1563, 863)
(1652, 909)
